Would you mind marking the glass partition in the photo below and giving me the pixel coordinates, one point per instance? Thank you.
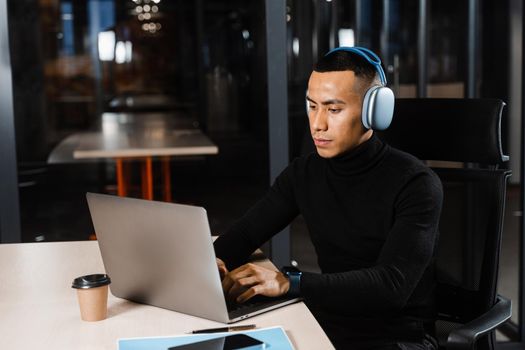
(104, 74)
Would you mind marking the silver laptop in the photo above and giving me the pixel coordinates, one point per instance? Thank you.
(162, 254)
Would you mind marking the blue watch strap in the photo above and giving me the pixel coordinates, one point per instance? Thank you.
(295, 284)
(294, 276)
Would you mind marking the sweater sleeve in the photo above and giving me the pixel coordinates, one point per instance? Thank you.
(266, 218)
(406, 253)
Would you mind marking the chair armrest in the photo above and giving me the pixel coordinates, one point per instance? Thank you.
(465, 336)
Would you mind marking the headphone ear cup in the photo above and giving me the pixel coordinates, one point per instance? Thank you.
(378, 108)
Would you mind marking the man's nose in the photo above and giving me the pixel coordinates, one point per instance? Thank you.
(318, 120)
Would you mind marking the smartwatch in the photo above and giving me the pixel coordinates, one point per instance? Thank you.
(294, 276)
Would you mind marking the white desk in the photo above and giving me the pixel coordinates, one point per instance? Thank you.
(136, 136)
(39, 310)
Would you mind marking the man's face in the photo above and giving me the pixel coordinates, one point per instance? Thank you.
(334, 112)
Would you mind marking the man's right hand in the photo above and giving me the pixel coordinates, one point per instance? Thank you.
(249, 280)
(223, 270)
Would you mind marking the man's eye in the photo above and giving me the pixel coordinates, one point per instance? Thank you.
(334, 110)
(312, 106)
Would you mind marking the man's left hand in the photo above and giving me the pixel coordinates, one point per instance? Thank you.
(249, 280)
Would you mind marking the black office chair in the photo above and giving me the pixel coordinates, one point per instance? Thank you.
(466, 131)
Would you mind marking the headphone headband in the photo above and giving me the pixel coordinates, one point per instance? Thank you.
(367, 54)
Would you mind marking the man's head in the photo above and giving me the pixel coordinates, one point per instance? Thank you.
(335, 98)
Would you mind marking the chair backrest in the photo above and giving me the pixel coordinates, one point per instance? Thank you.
(461, 130)
(467, 255)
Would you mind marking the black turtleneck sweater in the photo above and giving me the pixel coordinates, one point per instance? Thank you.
(372, 214)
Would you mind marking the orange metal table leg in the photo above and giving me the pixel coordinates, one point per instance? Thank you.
(121, 178)
(147, 178)
(166, 174)
(126, 166)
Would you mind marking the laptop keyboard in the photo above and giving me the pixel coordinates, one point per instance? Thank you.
(256, 300)
(256, 303)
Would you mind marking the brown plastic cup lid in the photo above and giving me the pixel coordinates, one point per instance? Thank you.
(91, 281)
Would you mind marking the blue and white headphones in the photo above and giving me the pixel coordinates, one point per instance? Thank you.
(378, 103)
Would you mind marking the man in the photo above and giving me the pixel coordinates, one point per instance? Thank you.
(372, 213)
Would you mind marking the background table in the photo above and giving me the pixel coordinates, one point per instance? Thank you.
(39, 310)
(142, 136)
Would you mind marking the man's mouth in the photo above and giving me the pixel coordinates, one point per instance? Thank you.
(319, 141)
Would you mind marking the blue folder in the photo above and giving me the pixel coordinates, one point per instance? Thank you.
(275, 338)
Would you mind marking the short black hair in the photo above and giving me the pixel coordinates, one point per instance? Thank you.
(344, 60)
